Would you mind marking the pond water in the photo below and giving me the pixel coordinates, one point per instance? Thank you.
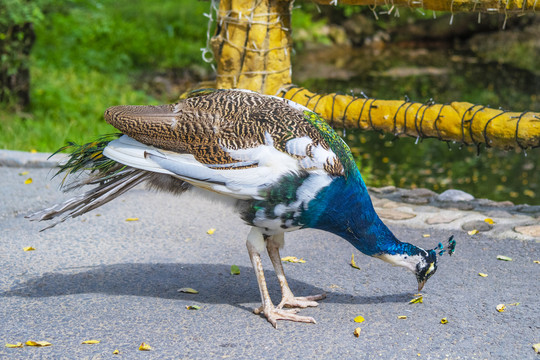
(444, 74)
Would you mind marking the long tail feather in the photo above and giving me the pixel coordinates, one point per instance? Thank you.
(87, 165)
(94, 198)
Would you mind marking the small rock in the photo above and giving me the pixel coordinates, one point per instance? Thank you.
(458, 205)
(377, 202)
(383, 190)
(417, 196)
(529, 209)
(383, 203)
(416, 201)
(498, 214)
(454, 195)
(529, 230)
(417, 193)
(479, 225)
(392, 214)
(502, 203)
(485, 202)
(443, 218)
(391, 205)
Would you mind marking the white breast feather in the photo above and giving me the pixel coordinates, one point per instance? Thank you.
(319, 155)
(311, 186)
(298, 146)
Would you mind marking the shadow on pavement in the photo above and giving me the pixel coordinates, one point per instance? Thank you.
(213, 281)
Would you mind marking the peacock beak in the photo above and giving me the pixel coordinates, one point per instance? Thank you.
(421, 284)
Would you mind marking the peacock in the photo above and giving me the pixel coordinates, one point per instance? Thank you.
(280, 164)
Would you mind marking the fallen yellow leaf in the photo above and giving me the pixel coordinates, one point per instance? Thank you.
(116, 352)
(504, 258)
(483, 275)
(188, 290)
(193, 307)
(359, 319)
(33, 151)
(28, 181)
(353, 264)
(513, 304)
(417, 300)
(402, 317)
(211, 231)
(426, 235)
(536, 348)
(444, 321)
(28, 248)
(489, 221)
(293, 259)
(132, 219)
(536, 261)
(91, 342)
(17, 345)
(37, 343)
(357, 332)
(23, 173)
(145, 347)
(472, 232)
(501, 307)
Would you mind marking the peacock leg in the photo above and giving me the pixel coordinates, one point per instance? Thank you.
(255, 244)
(288, 299)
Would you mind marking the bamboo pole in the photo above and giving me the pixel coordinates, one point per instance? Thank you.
(495, 6)
(461, 122)
(252, 44)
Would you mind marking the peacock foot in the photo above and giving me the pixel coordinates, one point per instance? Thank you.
(274, 314)
(300, 302)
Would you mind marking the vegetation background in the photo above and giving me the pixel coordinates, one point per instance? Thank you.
(89, 55)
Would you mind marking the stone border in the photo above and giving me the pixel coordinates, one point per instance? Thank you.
(456, 210)
(12, 158)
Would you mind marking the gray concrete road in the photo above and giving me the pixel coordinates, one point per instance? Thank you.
(102, 277)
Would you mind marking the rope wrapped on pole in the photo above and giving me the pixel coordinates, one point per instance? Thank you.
(460, 122)
(252, 44)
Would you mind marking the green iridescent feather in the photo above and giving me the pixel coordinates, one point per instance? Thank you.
(89, 157)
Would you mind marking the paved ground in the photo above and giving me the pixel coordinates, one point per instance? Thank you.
(101, 277)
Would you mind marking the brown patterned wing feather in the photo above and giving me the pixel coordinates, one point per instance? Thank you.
(208, 125)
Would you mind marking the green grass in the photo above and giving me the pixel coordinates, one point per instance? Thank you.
(86, 58)
(67, 105)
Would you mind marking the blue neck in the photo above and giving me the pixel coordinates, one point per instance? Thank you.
(344, 208)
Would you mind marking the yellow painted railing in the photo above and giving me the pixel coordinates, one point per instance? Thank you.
(252, 47)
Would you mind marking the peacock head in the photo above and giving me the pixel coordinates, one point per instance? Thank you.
(427, 266)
